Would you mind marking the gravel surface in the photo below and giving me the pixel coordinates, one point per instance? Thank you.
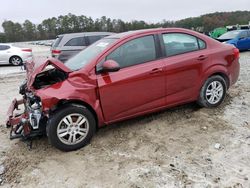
(186, 146)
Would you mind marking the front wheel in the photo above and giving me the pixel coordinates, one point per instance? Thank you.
(71, 128)
(213, 92)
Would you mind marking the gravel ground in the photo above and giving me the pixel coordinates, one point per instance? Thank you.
(185, 146)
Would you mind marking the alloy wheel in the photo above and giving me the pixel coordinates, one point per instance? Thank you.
(16, 61)
(72, 129)
(214, 92)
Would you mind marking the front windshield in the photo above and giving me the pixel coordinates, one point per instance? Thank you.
(229, 35)
(84, 57)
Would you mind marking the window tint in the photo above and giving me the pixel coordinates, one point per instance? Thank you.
(202, 44)
(178, 43)
(4, 47)
(95, 38)
(79, 41)
(134, 52)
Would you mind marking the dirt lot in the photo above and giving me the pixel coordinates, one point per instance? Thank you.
(186, 146)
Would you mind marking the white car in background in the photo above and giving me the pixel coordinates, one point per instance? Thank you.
(10, 54)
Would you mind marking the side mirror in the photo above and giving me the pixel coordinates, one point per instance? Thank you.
(110, 66)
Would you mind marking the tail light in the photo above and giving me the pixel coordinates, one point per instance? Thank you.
(56, 52)
(236, 53)
(27, 50)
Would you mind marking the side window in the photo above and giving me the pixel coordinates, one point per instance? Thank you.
(95, 38)
(79, 41)
(179, 43)
(4, 47)
(137, 51)
(202, 44)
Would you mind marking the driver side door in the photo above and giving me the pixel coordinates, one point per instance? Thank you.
(138, 87)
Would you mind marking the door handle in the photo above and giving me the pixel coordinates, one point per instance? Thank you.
(202, 57)
(156, 70)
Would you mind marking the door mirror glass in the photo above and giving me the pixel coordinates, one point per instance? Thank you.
(110, 66)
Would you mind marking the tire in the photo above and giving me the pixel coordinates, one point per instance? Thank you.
(16, 61)
(213, 92)
(71, 128)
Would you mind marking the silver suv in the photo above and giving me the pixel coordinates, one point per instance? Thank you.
(68, 45)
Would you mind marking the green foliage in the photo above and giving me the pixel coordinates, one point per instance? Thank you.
(2, 37)
(50, 28)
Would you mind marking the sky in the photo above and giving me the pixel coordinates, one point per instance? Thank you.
(127, 10)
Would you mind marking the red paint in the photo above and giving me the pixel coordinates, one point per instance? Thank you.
(27, 50)
(142, 88)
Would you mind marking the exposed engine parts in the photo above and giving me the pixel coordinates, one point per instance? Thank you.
(27, 124)
(49, 77)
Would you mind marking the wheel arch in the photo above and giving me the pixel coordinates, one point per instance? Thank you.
(15, 56)
(223, 75)
(65, 102)
(217, 70)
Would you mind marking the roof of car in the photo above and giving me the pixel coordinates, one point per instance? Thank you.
(85, 34)
(141, 31)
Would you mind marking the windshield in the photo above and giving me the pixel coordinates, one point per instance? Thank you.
(229, 35)
(85, 56)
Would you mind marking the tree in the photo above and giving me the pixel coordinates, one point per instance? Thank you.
(13, 31)
(29, 30)
(2, 37)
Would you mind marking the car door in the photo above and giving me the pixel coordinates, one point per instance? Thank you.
(138, 86)
(243, 41)
(185, 56)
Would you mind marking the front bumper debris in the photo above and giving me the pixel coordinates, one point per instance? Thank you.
(17, 122)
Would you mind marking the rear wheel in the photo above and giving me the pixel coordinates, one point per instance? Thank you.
(213, 92)
(16, 61)
(71, 128)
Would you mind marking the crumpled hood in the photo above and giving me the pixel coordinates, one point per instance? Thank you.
(32, 72)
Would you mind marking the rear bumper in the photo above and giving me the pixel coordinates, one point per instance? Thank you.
(235, 72)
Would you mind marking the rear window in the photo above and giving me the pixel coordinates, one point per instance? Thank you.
(93, 39)
(79, 41)
(57, 41)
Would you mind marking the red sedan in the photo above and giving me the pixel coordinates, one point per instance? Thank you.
(120, 77)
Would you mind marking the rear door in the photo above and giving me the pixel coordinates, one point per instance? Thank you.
(185, 56)
(138, 86)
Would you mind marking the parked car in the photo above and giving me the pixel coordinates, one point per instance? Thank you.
(68, 45)
(120, 77)
(239, 38)
(217, 32)
(10, 54)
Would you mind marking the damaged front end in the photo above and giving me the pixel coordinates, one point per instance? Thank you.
(32, 119)
(26, 124)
